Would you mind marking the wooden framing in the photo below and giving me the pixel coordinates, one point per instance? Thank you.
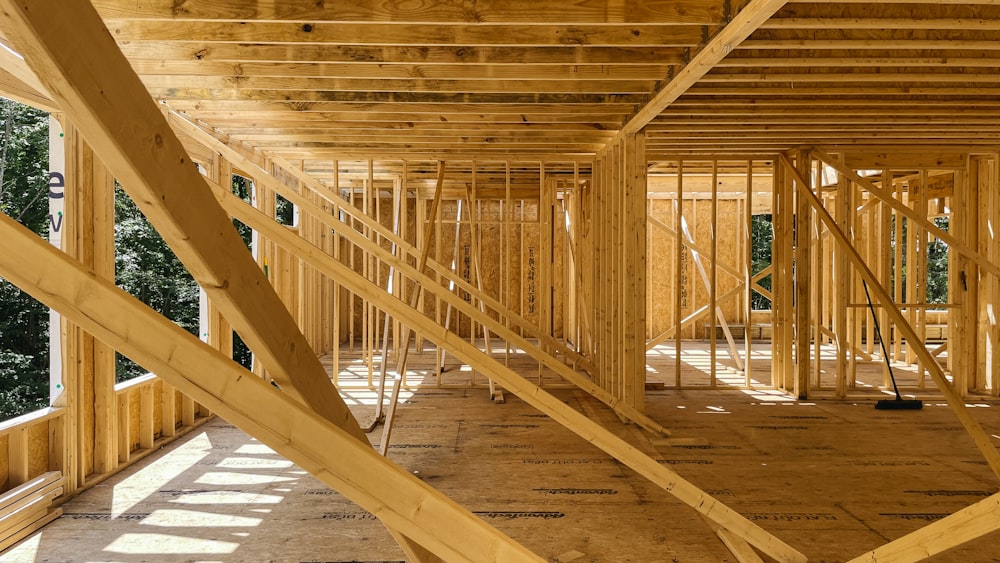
(517, 384)
(952, 531)
(188, 221)
(873, 144)
(981, 439)
(285, 425)
(619, 214)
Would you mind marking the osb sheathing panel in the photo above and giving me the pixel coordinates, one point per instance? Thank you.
(38, 448)
(514, 243)
(727, 247)
(512, 258)
(893, 476)
(559, 263)
(491, 251)
(662, 264)
(661, 269)
(531, 257)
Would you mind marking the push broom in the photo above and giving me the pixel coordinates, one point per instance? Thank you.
(899, 403)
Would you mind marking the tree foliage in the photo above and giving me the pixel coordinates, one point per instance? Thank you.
(147, 268)
(937, 266)
(761, 237)
(24, 322)
(243, 188)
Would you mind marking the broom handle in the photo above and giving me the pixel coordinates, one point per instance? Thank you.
(885, 353)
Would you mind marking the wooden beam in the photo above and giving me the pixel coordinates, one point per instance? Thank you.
(20, 83)
(932, 229)
(107, 102)
(801, 279)
(753, 14)
(264, 177)
(680, 275)
(411, 34)
(181, 69)
(427, 55)
(327, 451)
(957, 404)
(421, 267)
(740, 549)
(512, 381)
(325, 263)
(686, 321)
(970, 523)
(301, 85)
(509, 11)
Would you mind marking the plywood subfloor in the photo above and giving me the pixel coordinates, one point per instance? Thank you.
(872, 379)
(831, 478)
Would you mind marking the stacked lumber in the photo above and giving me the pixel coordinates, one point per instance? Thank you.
(27, 507)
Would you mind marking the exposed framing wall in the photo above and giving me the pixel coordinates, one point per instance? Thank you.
(96, 427)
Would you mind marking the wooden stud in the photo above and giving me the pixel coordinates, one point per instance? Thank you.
(418, 290)
(146, 429)
(714, 275)
(803, 310)
(264, 177)
(508, 216)
(527, 391)
(896, 343)
(748, 276)
(989, 186)
(390, 417)
(682, 287)
(17, 457)
(921, 271)
(168, 410)
(970, 523)
(819, 281)
(841, 272)
(132, 136)
(474, 237)
(953, 242)
(338, 296)
(912, 275)
(276, 419)
(368, 314)
(981, 439)
(124, 433)
(392, 289)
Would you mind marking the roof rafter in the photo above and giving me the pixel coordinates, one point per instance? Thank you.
(748, 20)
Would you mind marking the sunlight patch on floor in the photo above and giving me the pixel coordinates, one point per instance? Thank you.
(177, 518)
(227, 497)
(238, 479)
(168, 544)
(136, 488)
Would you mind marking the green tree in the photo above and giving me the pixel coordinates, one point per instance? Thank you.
(937, 266)
(243, 188)
(761, 238)
(24, 322)
(147, 268)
